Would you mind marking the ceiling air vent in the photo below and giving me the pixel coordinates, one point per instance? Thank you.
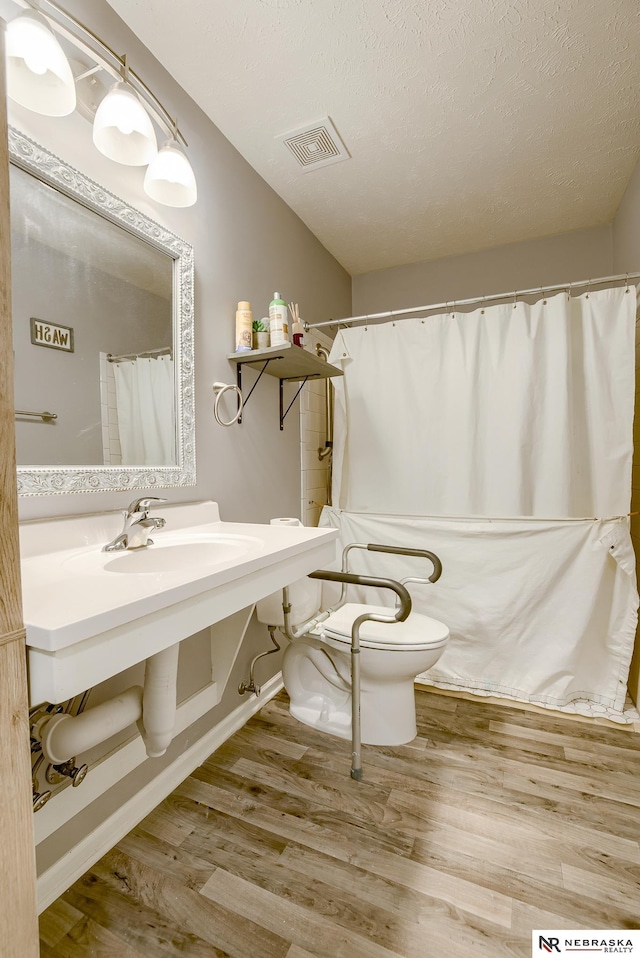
(315, 145)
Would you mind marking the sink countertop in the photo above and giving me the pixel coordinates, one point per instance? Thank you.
(66, 600)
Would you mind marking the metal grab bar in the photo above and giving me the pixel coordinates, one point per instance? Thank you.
(400, 615)
(419, 553)
(45, 416)
(391, 550)
(327, 449)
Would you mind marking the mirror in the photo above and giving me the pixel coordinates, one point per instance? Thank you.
(103, 335)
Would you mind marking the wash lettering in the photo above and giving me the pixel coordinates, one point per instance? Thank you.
(51, 335)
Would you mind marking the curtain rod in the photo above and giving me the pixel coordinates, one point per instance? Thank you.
(454, 303)
(130, 356)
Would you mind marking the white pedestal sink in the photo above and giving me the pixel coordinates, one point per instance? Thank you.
(91, 614)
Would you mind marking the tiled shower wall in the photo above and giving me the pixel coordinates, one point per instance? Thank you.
(313, 433)
(112, 455)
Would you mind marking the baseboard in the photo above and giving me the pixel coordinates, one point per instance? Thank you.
(52, 883)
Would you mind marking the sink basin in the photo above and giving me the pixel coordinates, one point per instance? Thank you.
(168, 554)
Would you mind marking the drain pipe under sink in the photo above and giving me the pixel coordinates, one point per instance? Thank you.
(153, 708)
(159, 700)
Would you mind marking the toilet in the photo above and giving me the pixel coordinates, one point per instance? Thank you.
(316, 668)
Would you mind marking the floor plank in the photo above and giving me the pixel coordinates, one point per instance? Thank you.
(87, 937)
(306, 928)
(57, 920)
(494, 821)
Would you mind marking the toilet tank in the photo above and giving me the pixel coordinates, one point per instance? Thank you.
(304, 596)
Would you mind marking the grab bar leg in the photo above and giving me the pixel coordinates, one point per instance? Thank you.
(356, 756)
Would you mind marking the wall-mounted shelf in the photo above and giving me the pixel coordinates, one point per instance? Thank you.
(288, 363)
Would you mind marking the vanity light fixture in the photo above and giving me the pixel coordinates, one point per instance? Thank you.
(169, 178)
(122, 128)
(40, 78)
(38, 73)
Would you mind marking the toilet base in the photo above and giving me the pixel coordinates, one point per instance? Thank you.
(325, 714)
(317, 677)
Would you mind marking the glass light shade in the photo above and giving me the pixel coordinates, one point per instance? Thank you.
(38, 73)
(122, 129)
(169, 178)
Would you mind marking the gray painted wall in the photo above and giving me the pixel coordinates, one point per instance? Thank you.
(248, 243)
(542, 262)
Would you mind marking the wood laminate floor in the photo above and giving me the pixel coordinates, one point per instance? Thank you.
(493, 822)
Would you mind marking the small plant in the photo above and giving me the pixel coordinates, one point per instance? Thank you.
(260, 333)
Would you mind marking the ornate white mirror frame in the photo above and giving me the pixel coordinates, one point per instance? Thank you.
(45, 480)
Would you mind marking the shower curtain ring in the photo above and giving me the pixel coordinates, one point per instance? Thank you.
(482, 305)
(626, 280)
(515, 298)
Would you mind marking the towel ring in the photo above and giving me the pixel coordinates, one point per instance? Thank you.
(220, 389)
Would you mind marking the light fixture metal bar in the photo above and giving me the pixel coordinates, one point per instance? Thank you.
(69, 27)
(88, 73)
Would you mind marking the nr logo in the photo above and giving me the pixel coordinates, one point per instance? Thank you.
(548, 944)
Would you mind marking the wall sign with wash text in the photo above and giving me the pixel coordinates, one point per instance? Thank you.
(51, 335)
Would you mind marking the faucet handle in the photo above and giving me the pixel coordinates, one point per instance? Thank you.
(142, 505)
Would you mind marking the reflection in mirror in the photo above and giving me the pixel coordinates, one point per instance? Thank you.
(85, 292)
(103, 335)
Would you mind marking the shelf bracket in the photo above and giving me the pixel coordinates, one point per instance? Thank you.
(283, 416)
(239, 382)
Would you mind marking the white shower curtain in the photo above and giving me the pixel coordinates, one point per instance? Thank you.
(502, 439)
(146, 417)
(505, 411)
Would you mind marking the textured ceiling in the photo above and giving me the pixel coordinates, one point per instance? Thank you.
(470, 123)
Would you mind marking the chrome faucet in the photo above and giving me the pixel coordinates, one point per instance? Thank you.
(137, 526)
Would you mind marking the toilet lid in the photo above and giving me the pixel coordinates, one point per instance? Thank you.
(417, 632)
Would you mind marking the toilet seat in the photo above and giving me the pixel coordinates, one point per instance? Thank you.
(416, 633)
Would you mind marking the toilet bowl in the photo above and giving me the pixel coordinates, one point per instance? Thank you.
(316, 668)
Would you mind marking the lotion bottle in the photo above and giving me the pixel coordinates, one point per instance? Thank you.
(278, 321)
(244, 327)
